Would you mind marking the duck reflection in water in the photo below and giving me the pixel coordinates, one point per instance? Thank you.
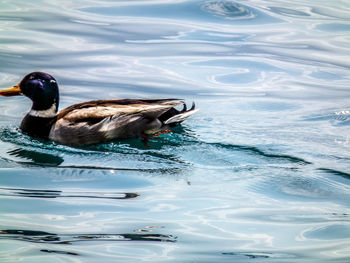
(35, 157)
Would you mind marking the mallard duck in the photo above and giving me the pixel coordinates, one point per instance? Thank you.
(94, 121)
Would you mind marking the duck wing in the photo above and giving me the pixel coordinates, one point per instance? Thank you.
(104, 120)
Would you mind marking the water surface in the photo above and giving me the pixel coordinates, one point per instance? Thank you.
(261, 173)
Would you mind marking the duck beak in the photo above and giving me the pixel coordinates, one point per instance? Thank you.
(14, 91)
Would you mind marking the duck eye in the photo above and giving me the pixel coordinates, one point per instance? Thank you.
(31, 77)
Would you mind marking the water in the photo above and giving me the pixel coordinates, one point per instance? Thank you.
(260, 174)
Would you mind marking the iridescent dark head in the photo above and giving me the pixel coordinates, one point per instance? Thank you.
(40, 87)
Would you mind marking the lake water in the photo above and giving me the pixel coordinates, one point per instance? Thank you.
(260, 174)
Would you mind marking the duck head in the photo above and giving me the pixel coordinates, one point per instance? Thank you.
(41, 88)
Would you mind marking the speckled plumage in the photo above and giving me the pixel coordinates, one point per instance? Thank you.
(93, 121)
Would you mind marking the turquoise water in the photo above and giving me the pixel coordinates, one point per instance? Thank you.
(260, 174)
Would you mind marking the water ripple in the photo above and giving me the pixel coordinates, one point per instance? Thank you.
(229, 10)
(289, 12)
(335, 172)
(34, 193)
(259, 255)
(60, 252)
(51, 238)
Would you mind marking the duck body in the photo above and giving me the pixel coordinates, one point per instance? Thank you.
(105, 120)
(95, 121)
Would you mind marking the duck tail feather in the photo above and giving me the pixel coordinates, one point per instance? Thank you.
(181, 115)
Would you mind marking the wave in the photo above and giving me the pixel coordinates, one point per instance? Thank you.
(35, 193)
(53, 238)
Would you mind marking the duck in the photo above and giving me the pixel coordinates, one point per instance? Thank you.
(96, 121)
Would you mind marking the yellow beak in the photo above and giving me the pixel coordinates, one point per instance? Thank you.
(14, 91)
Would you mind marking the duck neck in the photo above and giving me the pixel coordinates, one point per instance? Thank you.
(44, 113)
(38, 122)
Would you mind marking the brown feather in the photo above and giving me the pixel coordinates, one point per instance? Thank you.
(104, 120)
(104, 108)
